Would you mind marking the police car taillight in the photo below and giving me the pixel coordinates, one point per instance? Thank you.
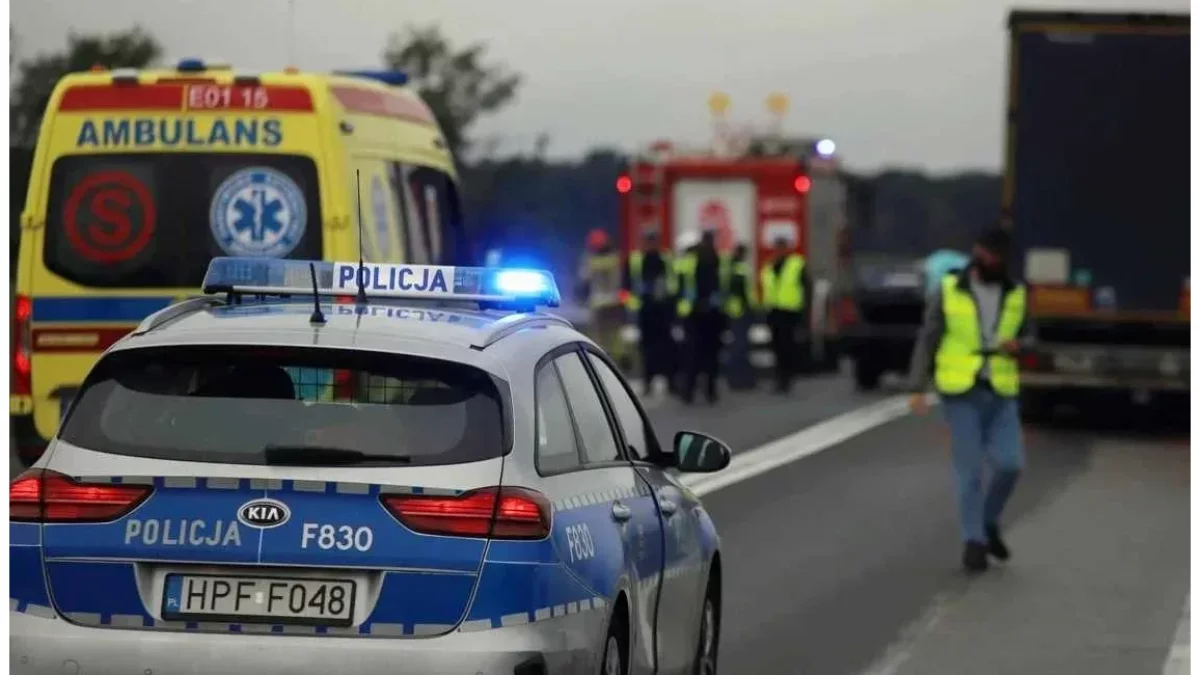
(519, 513)
(42, 496)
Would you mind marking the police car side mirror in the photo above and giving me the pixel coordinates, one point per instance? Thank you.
(699, 453)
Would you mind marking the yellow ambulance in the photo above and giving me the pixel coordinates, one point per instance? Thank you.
(141, 177)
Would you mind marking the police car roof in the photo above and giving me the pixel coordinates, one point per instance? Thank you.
(392, 325)
(427, 310)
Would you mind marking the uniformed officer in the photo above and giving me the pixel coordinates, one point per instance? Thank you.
(785, 289)
(700, 309)
(600, 277)
(975, 326)
(739, 308)
(650, 285)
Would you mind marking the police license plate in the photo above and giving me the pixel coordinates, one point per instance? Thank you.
(324, 602)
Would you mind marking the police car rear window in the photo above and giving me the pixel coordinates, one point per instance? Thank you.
(232, 404)
(155, 220)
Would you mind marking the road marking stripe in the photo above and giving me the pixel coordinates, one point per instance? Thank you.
(897, 653)
(804, 443)
(1179, 659)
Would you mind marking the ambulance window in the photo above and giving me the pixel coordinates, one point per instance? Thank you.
(155, 220)
(431, 225)
(382, 213)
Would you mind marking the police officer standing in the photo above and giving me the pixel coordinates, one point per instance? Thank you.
(975, 327)
(600, 279)
(699, 307)
(650, 292)
(785, 288)
(739, 308)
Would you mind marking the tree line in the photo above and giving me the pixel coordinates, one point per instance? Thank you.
(549, 205)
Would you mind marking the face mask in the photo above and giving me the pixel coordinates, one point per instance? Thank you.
(990, 273)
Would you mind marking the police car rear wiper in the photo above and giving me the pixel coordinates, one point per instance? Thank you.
(318, 455)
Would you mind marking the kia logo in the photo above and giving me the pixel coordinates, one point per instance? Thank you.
(264, 513)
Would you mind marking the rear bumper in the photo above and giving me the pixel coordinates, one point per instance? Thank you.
(1045, 382)
(44, 646)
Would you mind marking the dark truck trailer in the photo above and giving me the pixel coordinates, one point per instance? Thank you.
(1097, 191)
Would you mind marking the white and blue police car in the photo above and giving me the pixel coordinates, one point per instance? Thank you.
(347, 468)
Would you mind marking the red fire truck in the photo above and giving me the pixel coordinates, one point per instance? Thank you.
(791, 188)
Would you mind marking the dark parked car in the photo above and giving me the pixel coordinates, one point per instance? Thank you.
(889, 300)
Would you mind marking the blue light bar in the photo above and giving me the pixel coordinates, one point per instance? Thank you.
(395, 78)
(190, 65)
(272, 276)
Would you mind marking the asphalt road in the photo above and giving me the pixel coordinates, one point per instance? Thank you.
(846, 562)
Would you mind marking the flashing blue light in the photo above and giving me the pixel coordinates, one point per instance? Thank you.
(521, 282)
(395, 78)
(191, 65)
(273, 276)
(826, 147)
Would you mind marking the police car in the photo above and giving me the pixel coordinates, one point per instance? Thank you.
(347, 468)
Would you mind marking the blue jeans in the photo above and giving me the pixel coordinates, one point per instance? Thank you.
(983, 425)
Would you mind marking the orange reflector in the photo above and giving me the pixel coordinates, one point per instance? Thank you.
(1059, 300)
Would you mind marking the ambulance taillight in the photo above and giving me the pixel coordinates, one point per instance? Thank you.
(22, 381)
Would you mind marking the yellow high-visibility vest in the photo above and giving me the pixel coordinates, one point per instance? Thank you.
(735, 306)
(686, 268)
(783, 291)
(958, 359)
(633, 302)
(604, 277)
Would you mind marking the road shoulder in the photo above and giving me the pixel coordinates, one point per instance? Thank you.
(1098, 576)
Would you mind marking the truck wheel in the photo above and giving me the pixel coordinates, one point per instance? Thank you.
(866, 375)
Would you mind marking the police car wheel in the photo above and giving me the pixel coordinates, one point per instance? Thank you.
(709, 638)
(616, 650)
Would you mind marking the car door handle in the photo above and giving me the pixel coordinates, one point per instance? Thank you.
(620, 512)
(667, 507)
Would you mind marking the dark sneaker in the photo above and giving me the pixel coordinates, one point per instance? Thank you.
(975, 556)
(995, 545)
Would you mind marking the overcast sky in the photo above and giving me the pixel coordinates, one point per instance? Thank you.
(894, 82)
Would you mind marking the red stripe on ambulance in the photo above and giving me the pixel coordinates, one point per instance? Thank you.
(181, 97)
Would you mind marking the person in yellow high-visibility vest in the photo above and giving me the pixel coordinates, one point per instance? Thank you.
(974, 329)
(785, 291)
(649, 287)
(740, 306)
(600, 279)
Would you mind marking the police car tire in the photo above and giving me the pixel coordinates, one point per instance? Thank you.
(710, 612)
(618, 639)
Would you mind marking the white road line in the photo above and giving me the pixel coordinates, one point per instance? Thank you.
(900, 650)
(810, 441)
(1179, 659)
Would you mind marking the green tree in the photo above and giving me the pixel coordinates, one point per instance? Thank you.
(456, 83)
(36, 77)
